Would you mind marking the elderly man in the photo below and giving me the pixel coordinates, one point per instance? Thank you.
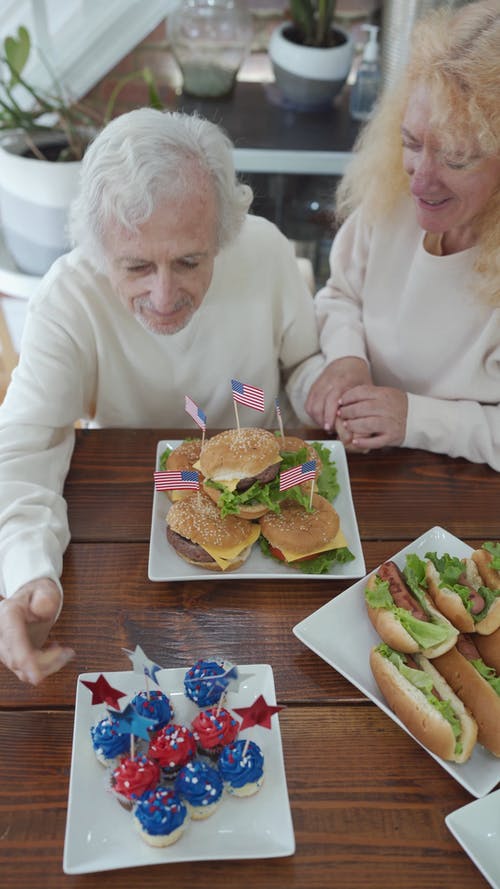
(172, 290)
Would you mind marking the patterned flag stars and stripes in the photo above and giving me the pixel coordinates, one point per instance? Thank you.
(251, 396)
(195, 412)
(172, 480)
(297, 474)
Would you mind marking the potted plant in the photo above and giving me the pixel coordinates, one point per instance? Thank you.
(43, 136)
(311, 56)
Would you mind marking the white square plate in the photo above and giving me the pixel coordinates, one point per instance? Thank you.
(165, 564)
(100, 834)
(341, 633)
(477, 828)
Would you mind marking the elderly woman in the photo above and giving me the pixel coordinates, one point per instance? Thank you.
(410, 316)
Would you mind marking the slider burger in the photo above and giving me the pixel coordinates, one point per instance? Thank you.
(302, 451)
(309, 541)
(403, 614)
(183, 457)
(477, 684)
(239, 466)
(459, 592)
(420, 697)
(200, 536)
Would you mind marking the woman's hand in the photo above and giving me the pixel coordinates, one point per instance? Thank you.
(373, 416)
(338, 377)
(26, 619)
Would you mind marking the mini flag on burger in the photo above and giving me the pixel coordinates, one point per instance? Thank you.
(297, 474)
(172, 480)
(195, 412)
(251, 396)
(280, 421)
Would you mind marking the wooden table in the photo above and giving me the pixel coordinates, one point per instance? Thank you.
(368, 804)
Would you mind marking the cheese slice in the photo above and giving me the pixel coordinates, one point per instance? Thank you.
(338, 541)
(224, 556)
(229, 483)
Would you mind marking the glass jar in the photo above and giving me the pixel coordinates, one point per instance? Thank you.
(210, 40)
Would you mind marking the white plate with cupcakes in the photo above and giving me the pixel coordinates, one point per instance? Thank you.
(137, 805)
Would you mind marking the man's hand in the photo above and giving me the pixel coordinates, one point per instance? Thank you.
(323, 399)
(373, 416)
(26, 619)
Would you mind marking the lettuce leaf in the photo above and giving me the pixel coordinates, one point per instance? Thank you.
(164, 457)
(319, 565)
(449, 569)
(494, 550)
(327, 483)
(488, 673)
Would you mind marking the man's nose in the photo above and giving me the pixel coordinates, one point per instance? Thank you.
(162, 293)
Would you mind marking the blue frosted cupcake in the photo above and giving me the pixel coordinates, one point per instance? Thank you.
(242, 774)
(205, 682)
(156, 707)
(109, 746)
(160, 817)
(200, 786)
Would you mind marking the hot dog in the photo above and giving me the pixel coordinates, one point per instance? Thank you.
(458, 590)
(487, 559)
(477, 684)
(403, 614)
(424, 702)
(489, 649)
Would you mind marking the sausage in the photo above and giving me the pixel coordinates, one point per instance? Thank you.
(390, 573)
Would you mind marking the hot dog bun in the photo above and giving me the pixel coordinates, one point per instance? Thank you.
(483, 558)
(451, 604)
(184, 456)
(474, 690)
(489, 649)
(426, 723)
(387, 620)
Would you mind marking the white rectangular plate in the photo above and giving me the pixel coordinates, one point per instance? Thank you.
(477, 828)
(100, 834)
(165, 564)
(341, 633)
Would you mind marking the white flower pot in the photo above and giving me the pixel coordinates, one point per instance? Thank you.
(309, 77)
(34, 201)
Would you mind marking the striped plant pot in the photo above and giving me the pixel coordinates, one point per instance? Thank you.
(34, 200)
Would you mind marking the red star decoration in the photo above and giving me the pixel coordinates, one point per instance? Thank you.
(259, 713)
(103, 692)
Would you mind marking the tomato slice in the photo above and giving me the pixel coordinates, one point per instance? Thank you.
(277, 553)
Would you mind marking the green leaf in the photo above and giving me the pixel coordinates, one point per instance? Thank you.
(494, 550)
(488, 673)
(327, 483)
(17, 51)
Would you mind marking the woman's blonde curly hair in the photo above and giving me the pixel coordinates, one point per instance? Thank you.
(457, 57)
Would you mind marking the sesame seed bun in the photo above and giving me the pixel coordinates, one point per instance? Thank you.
(236, 455)
(183, 457)
(202, 538)
(296, 529)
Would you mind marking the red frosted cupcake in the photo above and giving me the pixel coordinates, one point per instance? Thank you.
(172, 748)
(213, 730)
(135, 776)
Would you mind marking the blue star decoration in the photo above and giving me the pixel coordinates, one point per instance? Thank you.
(142, 664)
(129, 722)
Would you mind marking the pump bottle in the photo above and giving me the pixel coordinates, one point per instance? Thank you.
(366, 87)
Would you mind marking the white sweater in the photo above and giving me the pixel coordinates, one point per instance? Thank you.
(417, 321)
(84, 355)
